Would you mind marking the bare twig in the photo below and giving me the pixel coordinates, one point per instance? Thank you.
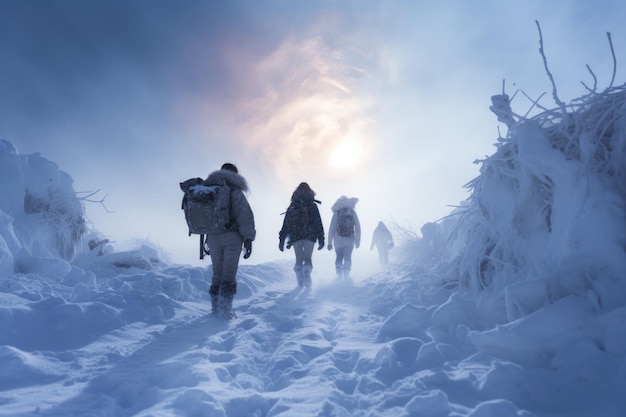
(90, 194)
(608, 35)
(545, 64)
(535, 103)
(89, 200)
(595, 81)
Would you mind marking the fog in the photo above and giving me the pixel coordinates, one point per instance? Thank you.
(384, 102)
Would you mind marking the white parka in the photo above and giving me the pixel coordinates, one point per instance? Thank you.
(333, 236)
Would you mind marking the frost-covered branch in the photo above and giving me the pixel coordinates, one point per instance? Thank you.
(608, 35)
(545, 64)
(595, 81)
(535, 103)
(88, 199)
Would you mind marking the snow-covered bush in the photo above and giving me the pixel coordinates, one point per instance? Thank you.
(551, 194)
(546, 217)
(41, 213)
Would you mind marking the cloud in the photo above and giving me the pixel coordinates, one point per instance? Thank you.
(310, 106)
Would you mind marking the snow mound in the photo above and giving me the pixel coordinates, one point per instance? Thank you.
(545, 219)
(40, 214)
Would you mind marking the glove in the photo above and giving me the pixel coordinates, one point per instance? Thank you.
(247, 245)
(289, 245)
(321, 245)
(281, 245)
(330, 246)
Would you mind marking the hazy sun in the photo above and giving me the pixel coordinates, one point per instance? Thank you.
(346, 154)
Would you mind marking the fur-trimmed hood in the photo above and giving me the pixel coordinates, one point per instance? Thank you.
(343, 202)
(232, 179)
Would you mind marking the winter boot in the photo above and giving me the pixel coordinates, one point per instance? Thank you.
(299, 275)
(225, 300)
(339, 271)
(347, 267)
(214, 291)
(306, 275)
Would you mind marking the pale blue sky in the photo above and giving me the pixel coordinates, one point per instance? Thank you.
(387, 101)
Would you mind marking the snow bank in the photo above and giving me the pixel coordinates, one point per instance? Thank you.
(40, 214)
(546, 217)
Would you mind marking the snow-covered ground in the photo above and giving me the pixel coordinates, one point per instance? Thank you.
(514, 305)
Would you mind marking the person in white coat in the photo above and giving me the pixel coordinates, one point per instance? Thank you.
(344, 234)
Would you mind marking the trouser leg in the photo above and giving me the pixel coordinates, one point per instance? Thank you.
(225, 250)
(297, 250)
(347, 260)
(306, 253)
(384, 256)
(340, 253)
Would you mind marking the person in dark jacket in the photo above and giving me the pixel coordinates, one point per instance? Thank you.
(302, 227)
(382, 239)
(225, 247)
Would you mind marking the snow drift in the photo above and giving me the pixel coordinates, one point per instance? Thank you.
(41, 216)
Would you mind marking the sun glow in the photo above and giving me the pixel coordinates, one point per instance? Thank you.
(346, 154)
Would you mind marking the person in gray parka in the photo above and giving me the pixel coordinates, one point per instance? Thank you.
(344, 234)
(225, 248)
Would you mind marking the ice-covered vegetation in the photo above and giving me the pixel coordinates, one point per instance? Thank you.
(43, 216)
(546, 217)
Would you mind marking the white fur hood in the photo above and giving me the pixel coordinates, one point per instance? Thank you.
(232, 179)
(343, 202)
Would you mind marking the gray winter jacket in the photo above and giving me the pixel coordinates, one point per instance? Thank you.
(240, 211)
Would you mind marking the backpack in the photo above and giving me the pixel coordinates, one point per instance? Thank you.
(207, 209)
(345, 222)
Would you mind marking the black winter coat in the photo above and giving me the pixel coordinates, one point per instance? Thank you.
(302, 221)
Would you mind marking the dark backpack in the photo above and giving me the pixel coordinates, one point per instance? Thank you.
(207, 209)
(345, 222)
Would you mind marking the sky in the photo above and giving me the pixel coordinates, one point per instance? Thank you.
(384, 101)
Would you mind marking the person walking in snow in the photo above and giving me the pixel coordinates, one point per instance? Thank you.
(344, 234)
(302, 227)
(225, 248)
(383, 240)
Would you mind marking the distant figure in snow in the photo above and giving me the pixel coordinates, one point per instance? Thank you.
(302, 227)
(383, 240)
(344, 234)
(225, 248)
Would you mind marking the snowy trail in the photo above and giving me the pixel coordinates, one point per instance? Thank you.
(286, 349)
(289, 350)
(376, 345)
